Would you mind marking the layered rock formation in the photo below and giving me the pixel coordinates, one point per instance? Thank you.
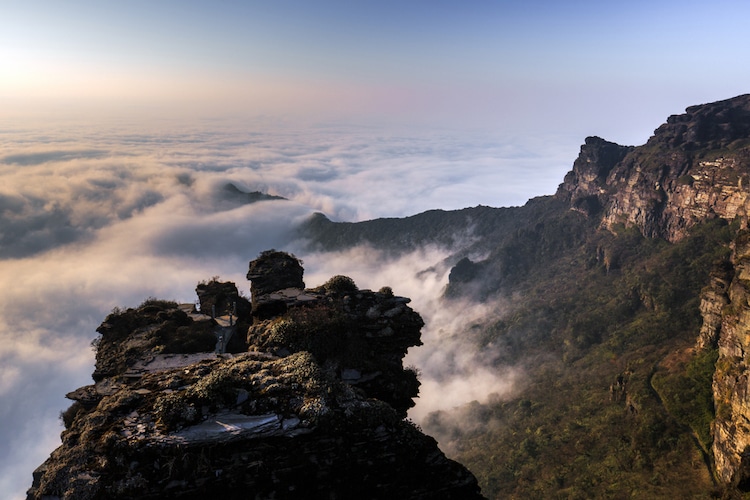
(725, 307)
(314, 409)
(695, 166)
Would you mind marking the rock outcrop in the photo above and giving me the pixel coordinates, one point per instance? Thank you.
(273, 275)
(218, 298)
(695, 166)
(359, 335)
(585, 184)
(314, 409)
(725, 307)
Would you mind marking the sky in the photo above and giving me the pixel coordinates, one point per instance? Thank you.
(121, 123)
(610, 68)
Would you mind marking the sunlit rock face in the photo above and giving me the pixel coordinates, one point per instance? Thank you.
(714, 300)
(313, 409)
(585, 184)
(695, 166)
(731, 446)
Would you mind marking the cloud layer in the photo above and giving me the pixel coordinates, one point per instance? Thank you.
(94, 217)
(452, 371)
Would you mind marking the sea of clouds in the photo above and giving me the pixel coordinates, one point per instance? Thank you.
(101, 215)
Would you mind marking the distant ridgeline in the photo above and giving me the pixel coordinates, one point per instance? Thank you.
(625, 300)
(300, 394)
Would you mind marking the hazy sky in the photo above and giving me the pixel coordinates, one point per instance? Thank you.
(609, 68)
(121, 123)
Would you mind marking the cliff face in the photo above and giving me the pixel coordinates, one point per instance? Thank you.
(588, 298)
(726, 314)
(313, 408)
(695, 166)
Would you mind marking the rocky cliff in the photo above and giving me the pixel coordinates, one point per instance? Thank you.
(695, 166)
(726, 325)
(580, 284)
(309, 403)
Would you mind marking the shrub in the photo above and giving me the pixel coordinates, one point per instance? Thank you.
(340, 285)
(318, 329)
(69, 415)
(160, 303)
(685, 180)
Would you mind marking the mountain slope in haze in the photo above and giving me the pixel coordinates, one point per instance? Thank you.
(625, 303)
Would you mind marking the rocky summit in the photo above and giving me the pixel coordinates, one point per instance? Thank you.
(695, 166)
(301, 394)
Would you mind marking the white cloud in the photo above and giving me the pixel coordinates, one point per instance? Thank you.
(453, 371)
(98, 215)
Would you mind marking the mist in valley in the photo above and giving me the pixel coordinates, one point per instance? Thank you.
(98, 218)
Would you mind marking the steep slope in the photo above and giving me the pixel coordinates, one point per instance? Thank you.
(695, 166)
(314, 409)
(605, 288)
(727, 325)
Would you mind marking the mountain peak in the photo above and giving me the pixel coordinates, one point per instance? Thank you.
(695, 166)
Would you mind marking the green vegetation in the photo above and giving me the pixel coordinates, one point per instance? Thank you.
(158, 303)
(340, 285)
(291, 385)
(614, 400)
(685, 390)
(686, 180)
(319, 329)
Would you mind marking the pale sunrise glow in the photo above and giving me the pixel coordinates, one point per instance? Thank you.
(488, 65)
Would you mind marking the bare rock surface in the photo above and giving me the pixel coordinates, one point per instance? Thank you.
(695, 166)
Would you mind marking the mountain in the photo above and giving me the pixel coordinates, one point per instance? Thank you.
(300, 394)
(624, 303)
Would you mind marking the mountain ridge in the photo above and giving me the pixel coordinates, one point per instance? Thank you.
(639, 256)
(625, 302)
(694, 167)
